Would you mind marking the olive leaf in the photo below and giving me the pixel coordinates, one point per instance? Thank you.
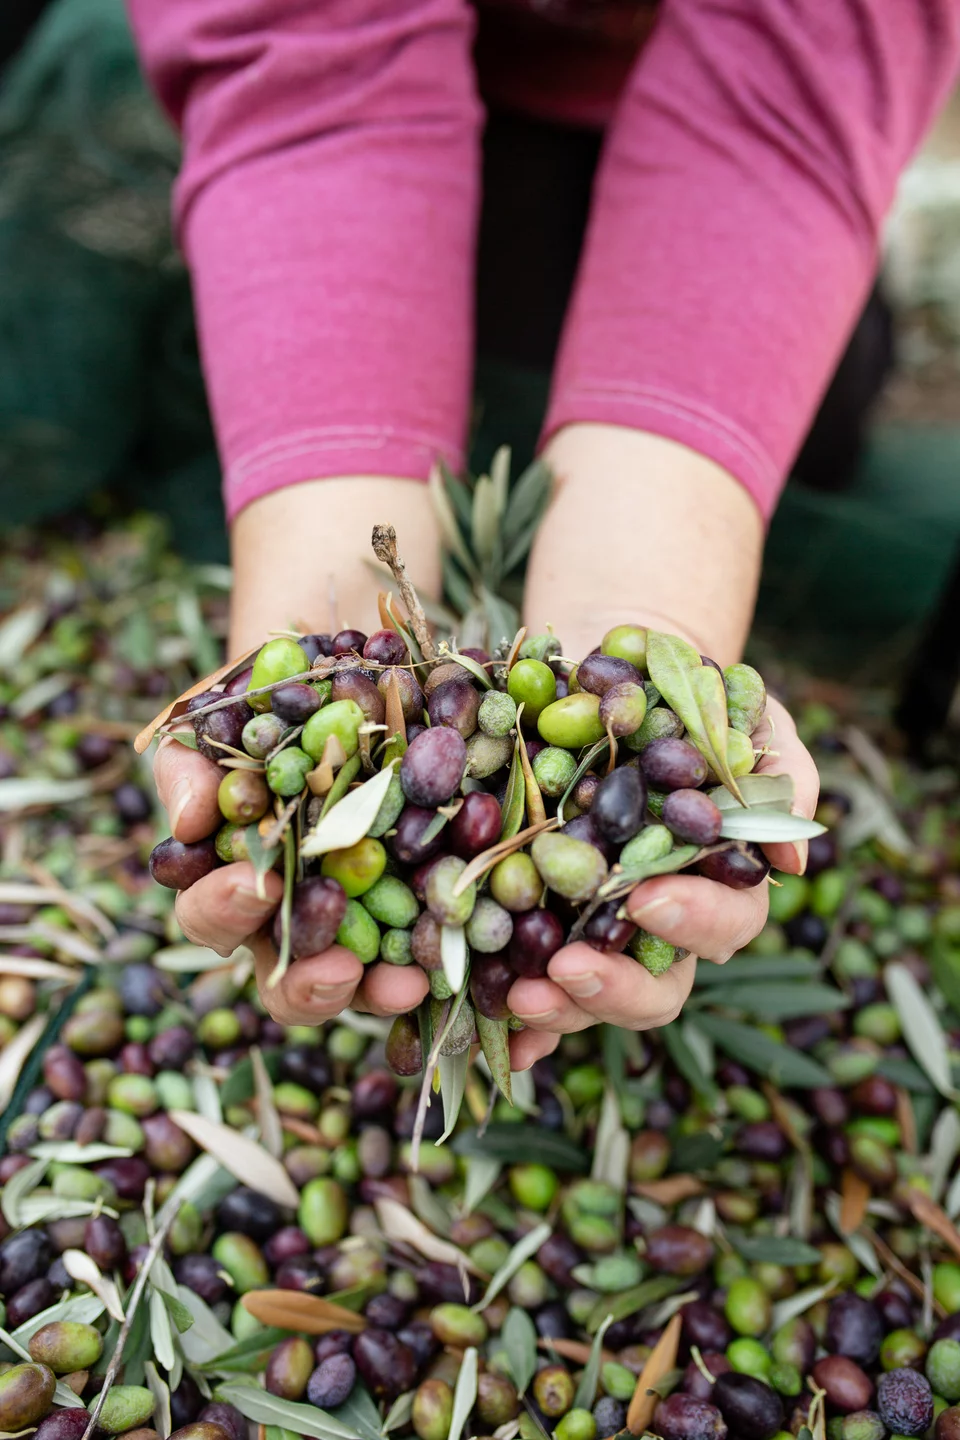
(464, 1394)
(266, 1409)
(795, 1305)
(453, 1082)
(359, 1411)
(773, 1249)
(771, 791)
(524, 1249)
(621, 882)
(178, 1312)
(348, 822)
(921, 1027)
(428, 1204)
(241, 1356)
(82, 1267)
(204, 1183)
(481, 1176)
(632, 1301)
(767, 824)
(398, 1416)
(536, 812)
(611, 1146)
(676, 1042)
(468, 663)
(519, 1337)
(261, 857)
(495, 1046)
(505, 1140)
(41, 1207)
(15, 1054)
(595, 753)
(512, 810)
(161, 1335)
(587, 1389)
(400, 1224)
(453, 955)
(755, 1049)
(759, 967)
(80, 1309)
(695, 691)
(775, 1001)
(268, 1117)
(249, 1162)
(160, 1391)
(21, 1184)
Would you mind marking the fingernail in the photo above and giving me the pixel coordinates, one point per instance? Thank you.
(663, 911)
(249, 900)
(540, 1015)
(326, 993)
(802, 852)
(180, 798)
(581, 985)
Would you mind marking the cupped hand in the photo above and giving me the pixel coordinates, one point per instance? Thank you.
(584, 987)
(224, 910)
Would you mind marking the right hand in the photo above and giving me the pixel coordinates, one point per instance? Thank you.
(223, 910)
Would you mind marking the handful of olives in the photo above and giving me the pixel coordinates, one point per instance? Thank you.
(471, 813)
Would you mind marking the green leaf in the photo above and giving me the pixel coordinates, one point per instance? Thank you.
(777, 791)
(453, 1082)
(779, 1063)
(495, 1044)
(775, 1001)
(360, 1413)
(905, 1074)
(611, 1146)
(686, 684)
(398, 1416)
(686, 1060)
(348, 822)
(507, 1140)
(519, 1337)
(240, 1356)
(502, 618)
(177, 1311)
(458, 493)
(772, 1249)
(449, 529)
(266, 1409)
(345, 778)
(186, 738)
(758, 967)
(622, 882)
(511, 812)
(945, 962)
(21, 1184)
(767, 824)
(475, 669)
(921, 1027)
(482, 1174)
(464, 1394)
(528, 501)
(436, 827)
(696, 1153)
(239, 1087)
(485, 521)
(261, 858)
(587, 1389)
(526, 1247)
(457, 589)
(632, 1301)
(82, 1310)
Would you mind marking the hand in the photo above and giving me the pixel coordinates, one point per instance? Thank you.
(223, 910)
(711, 921)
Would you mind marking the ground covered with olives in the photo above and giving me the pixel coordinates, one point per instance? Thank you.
(742, 1225)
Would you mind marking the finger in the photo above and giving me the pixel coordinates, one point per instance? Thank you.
(223, 908)
(187, 784)
(794, 759)
(312, 990)
(529, 1046)
(391, 989)
(699, 915)
(615, 989)
(544, 1006)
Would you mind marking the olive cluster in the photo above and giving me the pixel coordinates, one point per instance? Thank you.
(590, 757)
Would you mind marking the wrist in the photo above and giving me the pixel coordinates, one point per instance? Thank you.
(644, 530)
(302, 556)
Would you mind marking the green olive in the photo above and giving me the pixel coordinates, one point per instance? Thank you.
(342, 718)
(572, 722)
(278, 660)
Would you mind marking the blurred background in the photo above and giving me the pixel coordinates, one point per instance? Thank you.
(102, 401)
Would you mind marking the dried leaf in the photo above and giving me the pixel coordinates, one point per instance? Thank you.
(30, 968)
(695, 692)
(930, 1214)
(524, 1249)
(292, 1415)
(400, 1224)
(160, 1391)
(514, 801)
(453, 1081)
(893, 1262)
(671, 1190)
(921, 1027)
(574, 1350)
(536, 812)
(464, 1394)
(907, 1120)
(453, 955)
(519, 1337)
(179, 706)
(495, 1047)
(767, 825)
(79, 1266)
(348, 822)
(271, 1130)
(480, 864)
(18, 631)
(249, 1162)
(14, 1056)
(587, 1389)
(662, 1359)
(299, 1310)
(854, 1198)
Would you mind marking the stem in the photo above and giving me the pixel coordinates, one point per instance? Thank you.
(136, 1295)
(384, 541)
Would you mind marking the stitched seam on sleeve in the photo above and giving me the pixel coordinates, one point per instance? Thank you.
(298, 443)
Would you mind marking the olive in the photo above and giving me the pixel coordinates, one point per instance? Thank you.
(289, 1368)
(751, 1409)
(684, 1417)
(66, 1345)
(249, 1213)
(854, 1328)
(905, 1402)
(847, 1387)
(126, 1408)
(26, 1395)
(679, 1250)
(386, 1365)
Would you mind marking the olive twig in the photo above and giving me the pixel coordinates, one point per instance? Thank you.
(384, 541)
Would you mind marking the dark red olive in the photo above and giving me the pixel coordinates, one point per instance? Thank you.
(386, 1365)
(752, 1410)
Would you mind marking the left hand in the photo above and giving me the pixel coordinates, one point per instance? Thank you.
(584, 987)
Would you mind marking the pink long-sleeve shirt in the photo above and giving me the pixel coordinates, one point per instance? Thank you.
(328, 205)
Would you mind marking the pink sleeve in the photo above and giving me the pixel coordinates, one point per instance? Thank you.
(327, 208)
(736, 216)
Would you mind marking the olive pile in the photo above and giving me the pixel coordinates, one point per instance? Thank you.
(591, 759)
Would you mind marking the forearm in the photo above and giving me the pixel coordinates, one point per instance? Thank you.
(648, 530)
(300, 555)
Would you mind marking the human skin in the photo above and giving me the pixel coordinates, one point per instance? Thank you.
(673, 542)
